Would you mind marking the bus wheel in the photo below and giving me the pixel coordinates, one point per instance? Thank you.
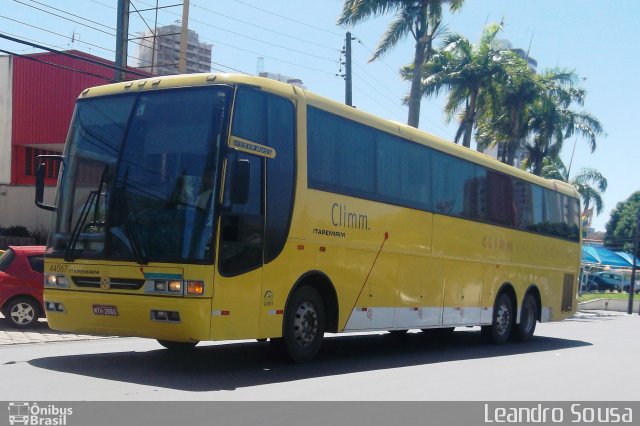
(500, 330)
(304, 325)
(178, 346)
(528, 318)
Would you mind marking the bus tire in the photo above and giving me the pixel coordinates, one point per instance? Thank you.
(528, 318)
(178, 346)
(304, 325)
(500, 329)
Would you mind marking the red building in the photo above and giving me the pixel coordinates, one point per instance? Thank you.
(37, 96)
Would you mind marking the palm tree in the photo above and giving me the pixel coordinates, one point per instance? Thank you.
(504, 121)
(589, 182)
(420, 18)
(468, 72)
(551, 119)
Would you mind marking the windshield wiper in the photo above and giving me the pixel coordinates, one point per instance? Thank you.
(129, 229)
(93, 198)
(77, 230)
(130, 232)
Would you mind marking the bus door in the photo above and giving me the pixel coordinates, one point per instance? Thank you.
(238, 281)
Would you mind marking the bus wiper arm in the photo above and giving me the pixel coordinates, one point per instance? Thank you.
(131, 234)
(77, 230)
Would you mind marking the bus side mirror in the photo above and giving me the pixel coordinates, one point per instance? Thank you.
(240, 177)
(41, 172)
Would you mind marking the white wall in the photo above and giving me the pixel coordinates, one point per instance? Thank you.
(17, 207)
(6, 76)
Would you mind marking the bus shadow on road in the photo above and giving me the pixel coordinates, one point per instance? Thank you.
(218, 367)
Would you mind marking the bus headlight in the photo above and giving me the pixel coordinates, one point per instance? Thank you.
(160, 286)
(175, 286)
(55, 281)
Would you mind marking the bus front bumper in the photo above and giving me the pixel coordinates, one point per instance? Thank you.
(165, 318)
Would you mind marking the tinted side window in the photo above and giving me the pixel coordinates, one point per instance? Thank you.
(459, 187)
(403, 174)
(249, 116)
(269, 120)
(37, 263)
(522, 204)
(500, 204)
(6, 259)
(280, 174)
(341, 155)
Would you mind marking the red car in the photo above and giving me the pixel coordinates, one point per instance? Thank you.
(22, 284)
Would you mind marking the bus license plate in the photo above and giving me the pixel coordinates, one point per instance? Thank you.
(105, 310)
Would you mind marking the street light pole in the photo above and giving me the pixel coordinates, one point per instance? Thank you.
(632, 284)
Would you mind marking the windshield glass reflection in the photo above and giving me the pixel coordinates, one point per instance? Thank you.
(140, 177)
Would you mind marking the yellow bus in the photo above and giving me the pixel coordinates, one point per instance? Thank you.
(220, 207)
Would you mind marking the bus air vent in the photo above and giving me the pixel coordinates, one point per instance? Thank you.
(116, 283)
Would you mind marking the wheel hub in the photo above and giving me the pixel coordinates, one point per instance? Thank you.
(22, 313)
(503, 320)
(305, 324)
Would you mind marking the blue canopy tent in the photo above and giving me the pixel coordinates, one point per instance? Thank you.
(628, 257)
(604, 257)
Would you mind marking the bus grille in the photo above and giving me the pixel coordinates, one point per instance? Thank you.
(568, 293)
(116, 283)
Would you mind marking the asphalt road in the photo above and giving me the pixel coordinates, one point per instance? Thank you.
(591, 357)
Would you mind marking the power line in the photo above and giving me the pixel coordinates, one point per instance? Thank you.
(64, 17)
(256, 39)
(231, 68)
(265, 28)
(270, 57)
(433, 123)
(31, 58)
(77, 22)
(55, 33)
(71, 55)
(247, 50)
(289, 19)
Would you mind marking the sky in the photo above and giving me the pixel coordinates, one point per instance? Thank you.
(299, 38)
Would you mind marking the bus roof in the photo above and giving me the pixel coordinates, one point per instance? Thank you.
(288, 90)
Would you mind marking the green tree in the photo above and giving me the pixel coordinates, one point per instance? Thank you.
(505, 119)
(468, 72)
(551, 119)
(420, 18)
(589, 182)
(622, 224)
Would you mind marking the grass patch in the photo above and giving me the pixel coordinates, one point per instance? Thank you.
(591, 296)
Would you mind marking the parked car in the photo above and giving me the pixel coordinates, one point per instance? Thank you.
(602, 281)
(22, 284)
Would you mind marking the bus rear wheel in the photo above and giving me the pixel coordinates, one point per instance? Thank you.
(528, 318)
(304, 325)
(178, 346)
(500, 329)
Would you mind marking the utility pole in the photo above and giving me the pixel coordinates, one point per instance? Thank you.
(634, 267)
(122, 39)
(182, 58)
(348, 81)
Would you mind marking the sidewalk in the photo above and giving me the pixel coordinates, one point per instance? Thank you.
(38, 334)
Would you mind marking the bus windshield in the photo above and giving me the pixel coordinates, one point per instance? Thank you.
(140, 177)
